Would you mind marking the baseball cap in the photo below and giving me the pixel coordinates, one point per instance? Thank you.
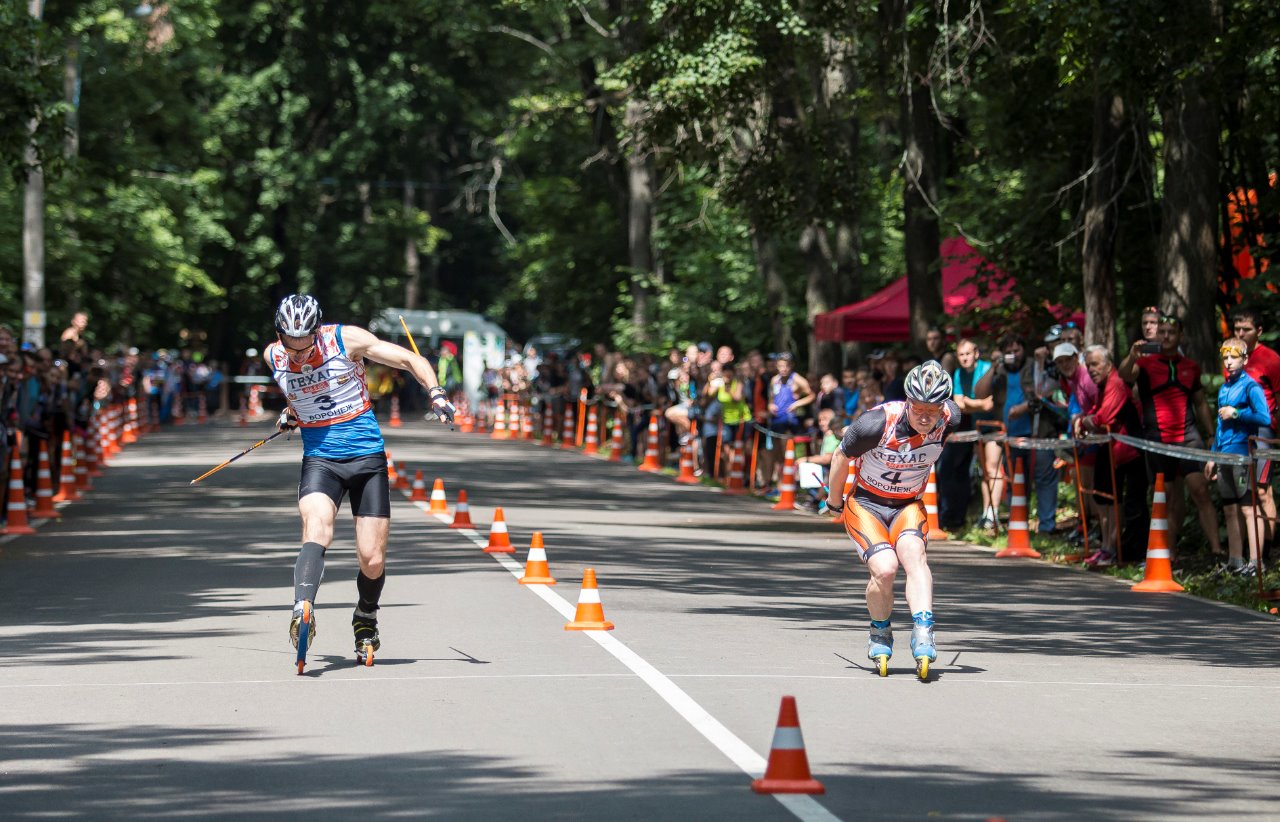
(1053, 334)
(878, 354)
(1065, 350)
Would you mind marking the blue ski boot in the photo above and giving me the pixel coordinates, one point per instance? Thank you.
(880, 645)
(922, 647)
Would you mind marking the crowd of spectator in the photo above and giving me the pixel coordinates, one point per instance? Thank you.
(49, 392)
(1042, 394)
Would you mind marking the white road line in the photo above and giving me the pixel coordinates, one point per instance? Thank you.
(739, 753)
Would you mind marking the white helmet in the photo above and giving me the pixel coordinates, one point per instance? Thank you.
(298, 315)
(929, 383)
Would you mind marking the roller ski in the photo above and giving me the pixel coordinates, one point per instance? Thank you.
(302, 630)
(880, 647)
(922, 648)
(365, 627)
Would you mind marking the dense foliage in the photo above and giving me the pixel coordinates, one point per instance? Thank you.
(637, 172)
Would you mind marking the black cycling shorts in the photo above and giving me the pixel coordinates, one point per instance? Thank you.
(365, 478)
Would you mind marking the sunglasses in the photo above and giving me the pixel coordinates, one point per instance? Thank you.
(1231, 351)
(293, 350)
(1151, 309)
(1166, 319)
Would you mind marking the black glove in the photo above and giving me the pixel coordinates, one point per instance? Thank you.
(286, 421)
(440, 405)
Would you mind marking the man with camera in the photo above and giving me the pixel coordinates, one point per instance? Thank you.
(1172, 402)
(1014, 384)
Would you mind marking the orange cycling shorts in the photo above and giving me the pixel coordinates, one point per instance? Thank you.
(875, 524)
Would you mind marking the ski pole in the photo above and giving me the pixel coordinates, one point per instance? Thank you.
(236, 457)
(409, 334)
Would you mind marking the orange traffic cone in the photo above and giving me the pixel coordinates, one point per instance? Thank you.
(499, 421)
(82, 466)
(615, 442)
(526, 421)
(44, 488)
(499, 539)
(736, 482)
(687, 475)
(17, 509)
(395, 421)
(931, 507)
(392, 477)
(1019, 539)
(419, 487)
(787, 485)
(402, 477)
(651, 447)
(467, 423)
(567, 435)
(244, 412)
(788, 768)
(592, 443)
(439, 505)
(129, 435)
(202, 414)
(67, 473)
(462, 513)
(1159, 573)
(482, 426)
(590, 613)
(93, 448)
(548, 425)
(536, 571)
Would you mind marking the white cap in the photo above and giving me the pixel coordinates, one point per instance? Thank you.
(1065, 350)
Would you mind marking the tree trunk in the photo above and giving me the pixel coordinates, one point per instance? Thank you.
(33, 321)
(412, 267)
(1189, 216)
(640, 221)
(775, 289)
(1100, 221)
(920, 189)
(820, 274)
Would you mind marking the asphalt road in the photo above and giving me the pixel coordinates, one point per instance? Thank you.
(146, 670)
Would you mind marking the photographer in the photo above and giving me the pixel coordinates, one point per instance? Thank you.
(1011, 383)
(1172, 403)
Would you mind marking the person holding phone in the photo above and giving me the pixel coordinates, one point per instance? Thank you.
(1172, 402)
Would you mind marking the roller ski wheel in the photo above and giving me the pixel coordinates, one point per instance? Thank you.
(365, 627)
(880, 648)
(923, 649)
(302, 631)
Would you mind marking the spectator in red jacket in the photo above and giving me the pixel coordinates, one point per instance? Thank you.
(1115, 412)
(1173, 401)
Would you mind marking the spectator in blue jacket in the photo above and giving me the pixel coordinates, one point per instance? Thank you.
(1242, 410)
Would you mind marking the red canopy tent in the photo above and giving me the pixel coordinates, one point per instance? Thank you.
(883, 317)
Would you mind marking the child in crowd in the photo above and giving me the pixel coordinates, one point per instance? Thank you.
(1242, 409)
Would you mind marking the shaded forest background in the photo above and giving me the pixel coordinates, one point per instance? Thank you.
(638, 173)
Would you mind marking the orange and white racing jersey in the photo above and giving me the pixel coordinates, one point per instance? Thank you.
(326, 390)
(889, 457)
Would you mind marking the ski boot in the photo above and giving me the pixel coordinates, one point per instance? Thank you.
(365, 627)
(303, 615)
(922, 649)
(880, 648)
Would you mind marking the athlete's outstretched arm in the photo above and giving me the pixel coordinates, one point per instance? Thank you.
(835, 479)
(361, 343)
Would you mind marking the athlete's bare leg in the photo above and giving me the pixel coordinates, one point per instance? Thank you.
(919, 586)
(883, 567)
(318, 513)
(371, 544)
